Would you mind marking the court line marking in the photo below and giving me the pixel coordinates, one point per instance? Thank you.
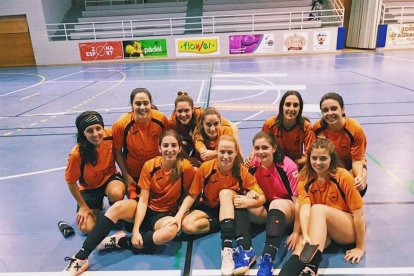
(27, 97)
(240, 75)
(200, 92)
(86, 273)
(31, 173)
(258, 87)
(42, 80)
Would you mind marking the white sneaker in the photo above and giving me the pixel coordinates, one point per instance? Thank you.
(111, 242)
(75, 266)
(227, 262)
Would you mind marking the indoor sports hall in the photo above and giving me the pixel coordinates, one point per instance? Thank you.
(39, 105)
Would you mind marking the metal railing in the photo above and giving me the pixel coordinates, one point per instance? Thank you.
(200, 24)
(397, 14)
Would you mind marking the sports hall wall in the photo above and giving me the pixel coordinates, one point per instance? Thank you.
(47, 52)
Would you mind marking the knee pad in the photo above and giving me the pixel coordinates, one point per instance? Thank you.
(275, 225)
(227, 229)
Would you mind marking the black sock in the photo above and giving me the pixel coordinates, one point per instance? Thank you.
(242, 228)
(227, 233)
(269, 249)
(315, 262)
(241, 241)
(292, 267)
(98, 233)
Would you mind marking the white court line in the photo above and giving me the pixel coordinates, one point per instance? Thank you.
(27, 97)
(258, 87)
(236, 75)
(200, 92)
(116, 273)
(31, 173)
(326, 271)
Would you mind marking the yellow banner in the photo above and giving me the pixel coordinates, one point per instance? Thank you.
(198, 46)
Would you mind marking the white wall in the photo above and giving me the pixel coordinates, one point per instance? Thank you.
(55, 10)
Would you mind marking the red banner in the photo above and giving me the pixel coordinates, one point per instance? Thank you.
(101, 50)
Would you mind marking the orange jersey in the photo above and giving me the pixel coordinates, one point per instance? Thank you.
(312, 192)
(199, 143)
(218, 182)
(350, 142)
(94, 176)
(295, 142)
(164, 192)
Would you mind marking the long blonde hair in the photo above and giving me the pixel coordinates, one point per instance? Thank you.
(238, 160)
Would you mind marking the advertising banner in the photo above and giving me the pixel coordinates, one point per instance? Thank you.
(146, 48)
(295, 42)
(321, 40)
(206, 46)
(108, 50)
(400, 34)
(251, 43)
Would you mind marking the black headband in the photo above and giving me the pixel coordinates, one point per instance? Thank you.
(88, 120)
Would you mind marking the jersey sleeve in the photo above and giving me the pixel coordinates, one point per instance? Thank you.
(360, 142)
(197, 184)
(144, 181)
(72, 173)
(303, 196)
(118, 134)
(188, 174)
(249, 181)
(268, 124)
(310, 136)
(353, 197)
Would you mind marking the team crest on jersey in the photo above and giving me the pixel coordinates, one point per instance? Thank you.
(154, 136)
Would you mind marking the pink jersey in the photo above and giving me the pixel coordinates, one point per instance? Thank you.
(271, 182)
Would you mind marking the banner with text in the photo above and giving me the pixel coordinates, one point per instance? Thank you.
(206, 46)
(147, 48)
(109, 50)
(251, 43)
(400, 34)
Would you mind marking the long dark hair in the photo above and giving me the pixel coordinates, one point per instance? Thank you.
(87, 150)
(176, 171)
(332, 96)
(299, 119)
(278, 155)
(145, 91)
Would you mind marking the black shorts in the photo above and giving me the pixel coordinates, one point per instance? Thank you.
(213, 216)
(150, 219)
(94, 197)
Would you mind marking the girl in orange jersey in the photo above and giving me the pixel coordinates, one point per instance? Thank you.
(156, 216)
(347, 136)
(136, 135)
(330, 209)
(91, 164)
(293, 133)
(184, 119)
(220, 182)
(207, 133)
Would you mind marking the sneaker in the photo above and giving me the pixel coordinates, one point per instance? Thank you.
(111, 242)
(307, 271)
(227, 262)
(243, 260)
(75, 266)
(266, 266)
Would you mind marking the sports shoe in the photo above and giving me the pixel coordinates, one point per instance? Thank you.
(75, 266)
(266, 266)
(307, 271)
(227, 262)
(111, 242)
(243, 260)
